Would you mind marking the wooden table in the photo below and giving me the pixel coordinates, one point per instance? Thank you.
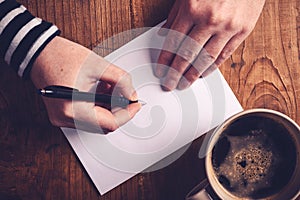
(36, 161)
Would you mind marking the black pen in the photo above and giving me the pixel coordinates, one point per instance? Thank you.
(62, 92)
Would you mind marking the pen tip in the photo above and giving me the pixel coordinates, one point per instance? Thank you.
(142, 102)
(41, 91)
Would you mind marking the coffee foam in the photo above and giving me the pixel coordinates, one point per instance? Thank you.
(251, 163)
(250, 167)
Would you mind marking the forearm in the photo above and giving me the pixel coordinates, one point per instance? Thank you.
(22, 36)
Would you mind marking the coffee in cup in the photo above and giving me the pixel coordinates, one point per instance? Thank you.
(253, 155)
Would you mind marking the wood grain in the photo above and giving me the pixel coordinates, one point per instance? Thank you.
(264, 71)
(36, 161)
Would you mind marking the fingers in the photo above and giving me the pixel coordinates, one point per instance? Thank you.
(180, 28)
(191, 52)
(112, 120)
(112, 80)
(226, 52)
(205, 59)
(186, 54)
(231, 46)
(120, 81)
(104, 88)
(193, 61)
(121, 84)
(98, 119)
(96, 68)
(181, 61)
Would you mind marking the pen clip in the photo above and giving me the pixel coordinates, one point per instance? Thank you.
(59, 87)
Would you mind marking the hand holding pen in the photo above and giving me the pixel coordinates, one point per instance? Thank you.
(66, 63)
(63, 92)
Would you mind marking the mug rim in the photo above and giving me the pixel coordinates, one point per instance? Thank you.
(225, 194)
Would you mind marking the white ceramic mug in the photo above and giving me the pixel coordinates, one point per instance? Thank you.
(263, 158)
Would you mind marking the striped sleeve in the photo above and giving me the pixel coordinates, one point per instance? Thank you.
(22, 36)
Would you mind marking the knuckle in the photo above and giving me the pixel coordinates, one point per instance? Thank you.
(122, 74)
(246, 30)
(205, 59)
(194, 76)
(127, 77)
(225, 54)
(210, 70)
(188, 54)
(118, 72)
(214, 20)
(197, 70)
(172, 44)
(232, 25)
(124, 78)
(192, 7)
(219, 61)
(222, 20)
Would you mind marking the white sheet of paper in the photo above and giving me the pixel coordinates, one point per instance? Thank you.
(166, 123)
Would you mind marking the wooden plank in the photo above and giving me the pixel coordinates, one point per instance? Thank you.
(265, 69)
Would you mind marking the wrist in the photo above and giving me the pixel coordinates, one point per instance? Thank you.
(58, 63)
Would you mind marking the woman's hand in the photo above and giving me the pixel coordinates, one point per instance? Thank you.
(202, 35)
(66, 63)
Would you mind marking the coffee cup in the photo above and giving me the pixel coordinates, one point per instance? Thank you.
(255, 154)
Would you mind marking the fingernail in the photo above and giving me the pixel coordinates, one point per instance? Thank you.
(169, 85)
(134, 96)
(183, 84)
(162, 32)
